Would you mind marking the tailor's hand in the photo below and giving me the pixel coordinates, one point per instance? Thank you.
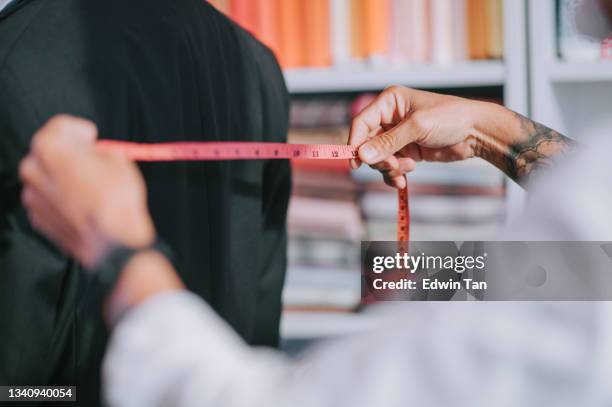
(83, 200)
(404, 126)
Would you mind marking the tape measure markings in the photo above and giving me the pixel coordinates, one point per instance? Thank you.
(210, 151)
(229, 150)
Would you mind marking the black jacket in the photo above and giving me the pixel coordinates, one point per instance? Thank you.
(149, 71)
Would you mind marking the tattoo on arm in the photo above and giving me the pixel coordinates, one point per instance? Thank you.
(540, 148)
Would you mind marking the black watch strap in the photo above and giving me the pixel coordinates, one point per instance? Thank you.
(105, 275)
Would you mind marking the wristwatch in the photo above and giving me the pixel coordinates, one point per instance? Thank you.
(105, 275)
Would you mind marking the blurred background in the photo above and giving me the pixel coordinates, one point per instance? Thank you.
(337, 54)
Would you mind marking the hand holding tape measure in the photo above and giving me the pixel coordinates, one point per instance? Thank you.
(400, 127)
(83, 219)
(215, 151)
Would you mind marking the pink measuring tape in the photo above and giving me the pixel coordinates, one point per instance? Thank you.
(215, 151)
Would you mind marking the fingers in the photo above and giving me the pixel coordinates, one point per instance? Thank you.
(55, 151)
(406, 165)
(61, 137)
(389, 108)
(394, 166)
(66, 183)
(413, 151)
(69, 128)
(55, 143)
(380, 148)
(395, 177)
(398, 182)
(30, 173)
(390, 164)
(394, 169)
(46, 219)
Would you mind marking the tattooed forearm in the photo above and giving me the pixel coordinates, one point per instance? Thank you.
(540, 148)
(536, 147)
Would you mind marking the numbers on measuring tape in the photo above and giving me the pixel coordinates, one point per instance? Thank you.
(202, 151)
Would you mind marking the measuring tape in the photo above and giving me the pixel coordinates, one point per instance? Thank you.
(216, 151)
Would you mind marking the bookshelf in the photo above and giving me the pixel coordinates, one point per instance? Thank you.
(506, 80)
(571, 97)
(509, 76)
(531, 79)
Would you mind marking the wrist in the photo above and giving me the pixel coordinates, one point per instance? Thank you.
(138, 234)
(135, 231)
(145, 275)
(493, 130)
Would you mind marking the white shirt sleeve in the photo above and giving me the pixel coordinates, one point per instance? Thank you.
(173, 350)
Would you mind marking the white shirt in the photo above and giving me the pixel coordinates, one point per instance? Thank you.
(173, 350)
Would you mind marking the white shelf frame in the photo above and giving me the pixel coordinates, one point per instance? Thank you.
(516, 89)
(465, 74)
(580, 72)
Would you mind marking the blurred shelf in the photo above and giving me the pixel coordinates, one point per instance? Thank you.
(460, 75)
(581, 72)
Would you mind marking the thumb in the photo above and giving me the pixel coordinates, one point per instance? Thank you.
(381, 147)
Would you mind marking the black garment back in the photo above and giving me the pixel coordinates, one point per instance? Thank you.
(148, 71)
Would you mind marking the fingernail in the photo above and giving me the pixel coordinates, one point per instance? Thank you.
(368, 153)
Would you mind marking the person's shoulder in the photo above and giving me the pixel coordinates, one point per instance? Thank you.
(262, 60)
(273, 95)
(213, 25)
(261, 53)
